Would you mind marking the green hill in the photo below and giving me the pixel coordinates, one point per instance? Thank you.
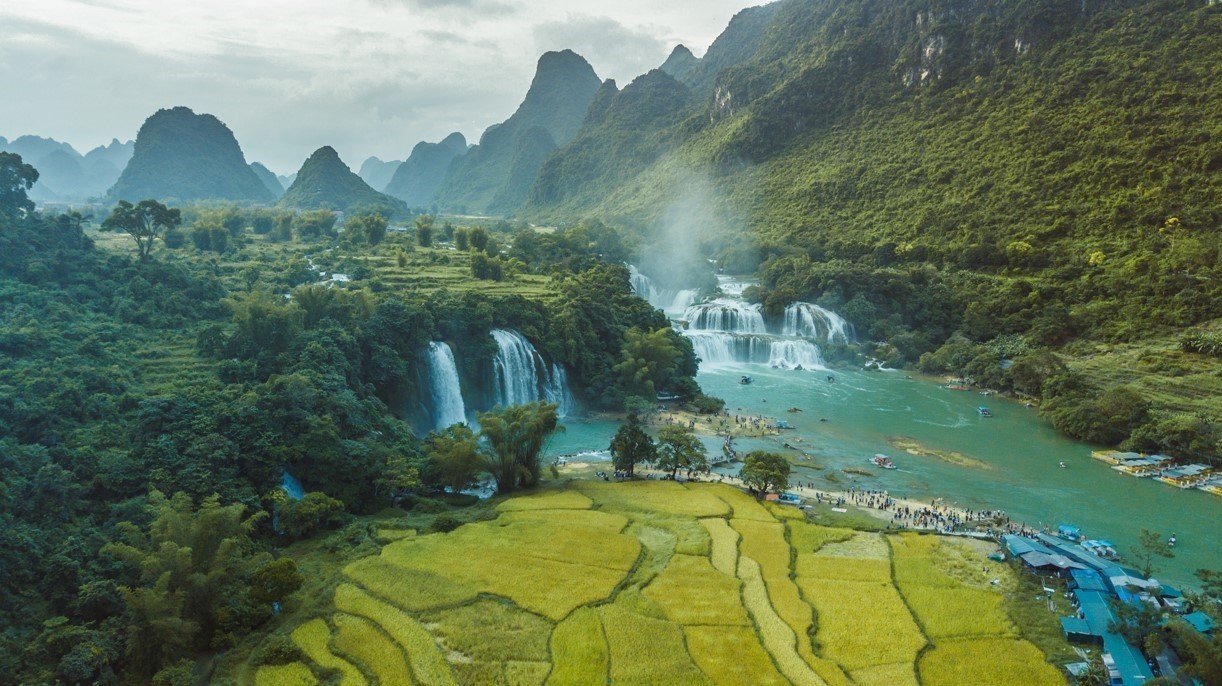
(183, 156)
(417, 180)
(495, 176)
(324, 181)
(624, 131)
(1014, 140)
(268, 178)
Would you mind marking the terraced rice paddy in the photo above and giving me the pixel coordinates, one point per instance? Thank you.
(657, 582)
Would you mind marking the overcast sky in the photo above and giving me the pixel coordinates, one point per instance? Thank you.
(368, 77)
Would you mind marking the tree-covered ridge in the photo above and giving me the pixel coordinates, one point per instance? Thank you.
(268, 178)
(495, 176)
(1041, 173)
(418, 179)
(325, 182)
(624, 131)
(182, 156)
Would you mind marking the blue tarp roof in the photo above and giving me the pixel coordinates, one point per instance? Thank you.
(1129, 662)
(1201, 622)
(1017, 545)
(1088, 580)
(1074, 625)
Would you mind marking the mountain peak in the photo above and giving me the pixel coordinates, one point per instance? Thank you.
(185, 156)
(681, 63)
(324, 181)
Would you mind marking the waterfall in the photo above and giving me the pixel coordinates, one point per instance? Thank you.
(811, 321)
(444, 390)
(520, 375)
(291, 486)
(795, 354)
(669, 301)
(718, 349)
(723, 314)
(642, 285)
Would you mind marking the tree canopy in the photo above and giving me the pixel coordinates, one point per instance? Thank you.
(145, 222)
(764, 471)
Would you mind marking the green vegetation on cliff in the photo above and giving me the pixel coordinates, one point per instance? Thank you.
(325, 182)
(183, 156)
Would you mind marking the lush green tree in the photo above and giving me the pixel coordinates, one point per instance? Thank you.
(764, 471)
(275, 581)
(462, 239)
(189, 566)
(454, 459)
(370, 228)
(398, 478)
(514, 436)
(145, 223)
(1150, 545)
(424, 230)
(1202, 654)
(479, 238)
(632, 446)
(679, 449)
(314, 511)
(16, 177)
(649, 361)
(315, 224)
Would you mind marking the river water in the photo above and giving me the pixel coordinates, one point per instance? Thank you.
(1014, 456)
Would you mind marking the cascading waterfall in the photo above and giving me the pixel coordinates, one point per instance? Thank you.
(445, 390)
(725, 315)
(522, 376)
(811, 321)
(728, 330)
(669, 301)
(716, 349)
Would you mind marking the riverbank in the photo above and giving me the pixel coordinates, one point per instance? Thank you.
(897, 512)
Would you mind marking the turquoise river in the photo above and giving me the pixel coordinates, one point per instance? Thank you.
(1014, 465)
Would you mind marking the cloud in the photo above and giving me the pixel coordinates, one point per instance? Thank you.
(482, 7)
(615, 50)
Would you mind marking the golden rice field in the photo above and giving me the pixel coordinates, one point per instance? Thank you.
(656, 582)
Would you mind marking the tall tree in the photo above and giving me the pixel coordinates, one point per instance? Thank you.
(145, 222)
(1150, 545)
(453, 457)
(649, 361)
(678, 448)
(763, 472)
(632, 446)
(424, 230)
(514, 437)
(16, 177)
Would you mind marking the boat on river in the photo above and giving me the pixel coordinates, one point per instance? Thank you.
(984, 411)
(880, 460)
(745, 380)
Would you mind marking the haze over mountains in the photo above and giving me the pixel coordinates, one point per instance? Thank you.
(805, 109)
(65, 175)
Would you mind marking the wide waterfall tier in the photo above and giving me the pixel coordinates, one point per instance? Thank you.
(716, 348)
(811, 321)
(521, 375)
(725, 315)
(445, 390)
(672, 302)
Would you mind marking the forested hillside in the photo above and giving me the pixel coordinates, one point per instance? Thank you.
(180, 155)
(1003, 178)
(324, 181)
(495, 176)
(152, 405)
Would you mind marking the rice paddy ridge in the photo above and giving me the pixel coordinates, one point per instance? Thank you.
(706, 585)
